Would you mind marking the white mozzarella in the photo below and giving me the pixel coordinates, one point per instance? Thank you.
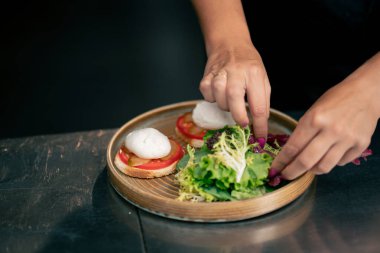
(210, 116)
(148, 143)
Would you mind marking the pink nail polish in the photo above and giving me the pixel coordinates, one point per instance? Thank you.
(261, 141)
(275, 181)
(272, 172)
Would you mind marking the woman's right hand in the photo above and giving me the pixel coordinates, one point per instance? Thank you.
(234, 67)
(233, 72)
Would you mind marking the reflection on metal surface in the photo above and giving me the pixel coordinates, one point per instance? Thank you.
(235, 234)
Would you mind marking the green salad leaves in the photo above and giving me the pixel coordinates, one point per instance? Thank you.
(229, 166)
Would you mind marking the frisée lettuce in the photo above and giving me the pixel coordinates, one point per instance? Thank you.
(231, 165)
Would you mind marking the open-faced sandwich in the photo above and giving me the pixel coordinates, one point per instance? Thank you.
(147, 153)
(192, 126)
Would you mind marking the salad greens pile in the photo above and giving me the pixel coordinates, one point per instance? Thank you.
(230, 165)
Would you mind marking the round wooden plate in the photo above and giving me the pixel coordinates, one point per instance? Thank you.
(159, 195)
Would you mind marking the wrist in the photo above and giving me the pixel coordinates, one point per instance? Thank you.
(238, 46)
(220, 41)
(367, 77)
(223, 24)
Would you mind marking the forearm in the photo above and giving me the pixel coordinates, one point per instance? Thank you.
(223, 24)
(368, 76)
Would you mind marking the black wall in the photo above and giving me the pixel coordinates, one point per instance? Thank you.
(80, 65)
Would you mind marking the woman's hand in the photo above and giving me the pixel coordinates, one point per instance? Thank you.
(234, 67)
(230, 74)
(337, 128)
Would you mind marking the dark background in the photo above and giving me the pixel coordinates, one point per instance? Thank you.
(80, 65)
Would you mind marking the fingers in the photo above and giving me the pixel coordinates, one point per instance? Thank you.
(268, 93)
(349, 156)
(301, 136)
(219, 84)
(309, 156)
(206, 88)
(330, 160)
(337, 154)
(227, 89)
(235, 95)
(318, 149)
(258, 100)
(353, 153)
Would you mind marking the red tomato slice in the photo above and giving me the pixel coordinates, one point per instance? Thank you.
(187, 127)
(135, 160)
(176, 153)
(123, 156)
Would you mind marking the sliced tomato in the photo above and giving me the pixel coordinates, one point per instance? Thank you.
(176, 153)
(135, 160)
(123, 156)
(187, 127)
(131, 159)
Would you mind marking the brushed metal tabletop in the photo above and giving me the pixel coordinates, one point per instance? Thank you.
(55, 197)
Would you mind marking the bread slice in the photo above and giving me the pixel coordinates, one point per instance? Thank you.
(144, 173)
(196, 143)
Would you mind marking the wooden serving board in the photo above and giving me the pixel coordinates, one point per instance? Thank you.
(159, 195)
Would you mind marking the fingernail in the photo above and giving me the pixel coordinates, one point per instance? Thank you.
(272, 172)
(261, 141)
(275, 181)
(244, 124)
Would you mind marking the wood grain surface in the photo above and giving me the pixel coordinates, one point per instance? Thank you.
(159, 195)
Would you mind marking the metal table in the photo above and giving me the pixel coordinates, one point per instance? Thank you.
(55, 197)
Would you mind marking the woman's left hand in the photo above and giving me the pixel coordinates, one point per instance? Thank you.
(337, 128)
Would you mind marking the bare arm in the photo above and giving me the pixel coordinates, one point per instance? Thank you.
(369, 75)
(234, 67)
(223, 23)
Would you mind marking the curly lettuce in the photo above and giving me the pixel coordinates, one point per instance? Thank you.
(227, 170)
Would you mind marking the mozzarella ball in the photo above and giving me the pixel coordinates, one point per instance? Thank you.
(210, 116)
(148, 143)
